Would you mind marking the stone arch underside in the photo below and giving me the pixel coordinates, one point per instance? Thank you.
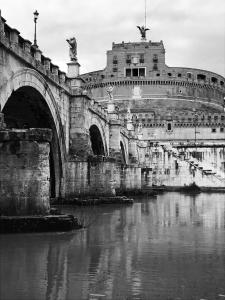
(96, 141)
(102, 133)
(123, 152)
(27, 101)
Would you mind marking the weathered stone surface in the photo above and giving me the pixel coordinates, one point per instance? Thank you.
(33, 134)
(24, 172)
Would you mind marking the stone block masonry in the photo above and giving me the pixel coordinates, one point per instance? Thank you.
(24, 171)
(100, 176)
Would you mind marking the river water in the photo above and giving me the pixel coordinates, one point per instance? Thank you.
(164, 248)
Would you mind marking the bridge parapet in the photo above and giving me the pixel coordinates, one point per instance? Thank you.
(10, 39)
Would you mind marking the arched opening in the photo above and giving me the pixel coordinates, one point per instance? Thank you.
(169, 127)
(26, 108)
(96, 141)
(214, 80)
(122, 151)
(201, 77)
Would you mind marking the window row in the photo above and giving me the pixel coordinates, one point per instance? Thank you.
(135, 59)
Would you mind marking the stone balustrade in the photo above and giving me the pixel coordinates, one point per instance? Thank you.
(11, 39)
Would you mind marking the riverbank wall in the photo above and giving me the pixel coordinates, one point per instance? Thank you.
(100, 176)
(174, 168)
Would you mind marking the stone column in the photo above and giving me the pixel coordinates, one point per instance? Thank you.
(24, 171)
(114, 139)
(80, 144)
(133, 153)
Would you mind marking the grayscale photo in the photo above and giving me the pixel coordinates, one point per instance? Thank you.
(112, 150)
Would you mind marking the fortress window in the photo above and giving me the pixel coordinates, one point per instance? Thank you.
(155, 67)
(169, 74)
(214, 80)
(142, 59)
(215, 118)
(155, 58)
(222, 118)
(158, 74)
(142, 72)
(128, 72)
(135, 72)
(201, 77)
(179, 75)
(115, 61)
(169, 127)
(128, 59)
(189, 75)
(221, 129)
(213, 130)
(221, 83)
(115, 69)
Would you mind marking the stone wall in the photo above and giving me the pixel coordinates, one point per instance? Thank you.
(24, 171)
(167, 170)
(100, 176)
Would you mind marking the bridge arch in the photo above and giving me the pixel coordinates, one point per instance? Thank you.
(27, 102)
(98, 131)
(96, 141)
(123, 151)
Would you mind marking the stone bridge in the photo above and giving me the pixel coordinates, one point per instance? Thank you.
(91, 152)
(34, 93)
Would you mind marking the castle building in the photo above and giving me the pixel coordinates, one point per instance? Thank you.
(169, 102)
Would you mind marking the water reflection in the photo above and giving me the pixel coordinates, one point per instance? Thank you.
(172, 247)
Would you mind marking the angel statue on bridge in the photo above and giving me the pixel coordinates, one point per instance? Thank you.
(73, 48)
(143, 32)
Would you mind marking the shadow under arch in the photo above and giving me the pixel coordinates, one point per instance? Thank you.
(96, 141)
(122, 152)
(26, 108)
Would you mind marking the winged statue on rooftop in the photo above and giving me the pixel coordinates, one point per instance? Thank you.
(143, 32)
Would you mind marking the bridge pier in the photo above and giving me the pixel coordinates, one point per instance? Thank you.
(24, 171)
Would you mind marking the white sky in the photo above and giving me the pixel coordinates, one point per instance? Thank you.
(193, 31)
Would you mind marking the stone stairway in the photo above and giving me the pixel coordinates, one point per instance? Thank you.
(216, 176)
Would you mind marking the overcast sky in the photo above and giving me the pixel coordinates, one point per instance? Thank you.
(193, 31)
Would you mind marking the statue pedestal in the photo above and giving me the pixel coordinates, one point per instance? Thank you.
(73, 69)
(130, 126)
(111, 107)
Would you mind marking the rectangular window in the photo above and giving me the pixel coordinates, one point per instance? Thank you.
(155, 58)
(142, 59)
(128, 59)
(221, 129)
(155, 67)
(128, 72)
(142, 72)
(213, 130)
(115, 69)
(135, 72)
